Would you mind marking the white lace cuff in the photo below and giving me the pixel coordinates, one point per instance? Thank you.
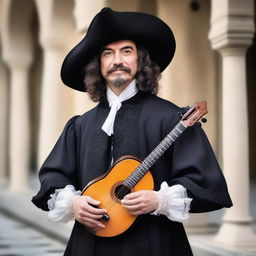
(173, 202)
(59, 204)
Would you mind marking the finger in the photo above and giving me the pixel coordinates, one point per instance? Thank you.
(128, 202)
(92, 223)
(86, 214)
(95, 224)
(92, 201)
(96, 211)
(133, 208)
(92, 209)
(134, 195)
(137, 213)
(92, 227)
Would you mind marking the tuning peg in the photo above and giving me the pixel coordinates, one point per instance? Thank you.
(183, 111)
(204, 120)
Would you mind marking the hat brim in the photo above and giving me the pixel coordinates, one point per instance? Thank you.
(110, 26)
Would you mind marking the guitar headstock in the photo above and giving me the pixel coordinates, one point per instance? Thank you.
(194, 114)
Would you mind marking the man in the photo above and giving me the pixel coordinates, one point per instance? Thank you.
(119, 64)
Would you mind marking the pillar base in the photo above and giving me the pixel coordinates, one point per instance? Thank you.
(236, 235)
(3, 181)
(20, 188)
(199, 224)
(201, 229)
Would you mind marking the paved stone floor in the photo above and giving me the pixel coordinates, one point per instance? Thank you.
(21, 234)
(17, 239)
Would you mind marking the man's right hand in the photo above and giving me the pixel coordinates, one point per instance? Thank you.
(86, 214)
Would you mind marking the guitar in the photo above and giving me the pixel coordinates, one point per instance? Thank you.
(128, 174)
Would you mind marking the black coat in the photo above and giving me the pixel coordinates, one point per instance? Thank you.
(83, 153)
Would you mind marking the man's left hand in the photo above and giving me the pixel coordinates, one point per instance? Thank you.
(141, 202)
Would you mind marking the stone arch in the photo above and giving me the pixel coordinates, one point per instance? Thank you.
(62, 15)
(147, 6)
(17, 19)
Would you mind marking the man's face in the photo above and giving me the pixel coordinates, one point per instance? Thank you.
(119, 63)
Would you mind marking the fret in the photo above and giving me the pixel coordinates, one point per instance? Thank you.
(169, 136)
(138, 173)
(150, 158)
(133, 179)
(175, 134)
(162, 148)
(181, 127)
(145, 165)
(143, 168)
(178, 129)
(161, 151)
(128, 184)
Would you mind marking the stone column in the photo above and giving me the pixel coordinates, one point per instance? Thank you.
(57, 35)
(4, 123)
(84, 11)
(232, 30)
(19, 123)
(190, 77)
(51, 112)
(17, 52)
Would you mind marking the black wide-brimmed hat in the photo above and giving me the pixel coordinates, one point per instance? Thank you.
(110, 26)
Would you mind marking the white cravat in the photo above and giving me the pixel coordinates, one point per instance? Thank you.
(115, 102)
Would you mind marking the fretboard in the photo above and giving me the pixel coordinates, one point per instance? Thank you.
(143, 168)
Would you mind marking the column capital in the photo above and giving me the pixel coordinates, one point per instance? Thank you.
(233, 51)
(21, 59)
(56, 42)
(57, 26)
(232, 25)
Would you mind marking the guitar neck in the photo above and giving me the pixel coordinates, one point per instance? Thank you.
(143, 168)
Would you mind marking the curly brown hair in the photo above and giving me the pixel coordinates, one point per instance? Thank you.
(147, 76)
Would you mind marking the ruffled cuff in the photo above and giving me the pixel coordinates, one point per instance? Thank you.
(173, 202)
(60, 202)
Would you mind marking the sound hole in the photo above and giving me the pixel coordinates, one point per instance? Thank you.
(121, 191)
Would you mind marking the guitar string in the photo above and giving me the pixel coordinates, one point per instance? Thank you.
(122, 191)
(119, 194)
(167, 141)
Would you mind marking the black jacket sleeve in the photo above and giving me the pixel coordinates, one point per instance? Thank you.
(194, 166)
(60, 167)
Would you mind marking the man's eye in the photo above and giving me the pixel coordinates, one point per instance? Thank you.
(127, 51)
(107, 53)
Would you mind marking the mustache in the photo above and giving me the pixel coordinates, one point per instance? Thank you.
(119, 67)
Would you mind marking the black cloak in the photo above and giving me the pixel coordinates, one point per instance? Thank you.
(83, 153)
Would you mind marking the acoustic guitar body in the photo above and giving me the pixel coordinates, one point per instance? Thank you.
(108, 189)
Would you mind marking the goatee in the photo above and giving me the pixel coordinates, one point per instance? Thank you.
(119, 82)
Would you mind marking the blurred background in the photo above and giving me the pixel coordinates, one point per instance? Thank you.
(215, 61)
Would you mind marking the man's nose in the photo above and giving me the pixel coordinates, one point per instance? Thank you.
(118, 59)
